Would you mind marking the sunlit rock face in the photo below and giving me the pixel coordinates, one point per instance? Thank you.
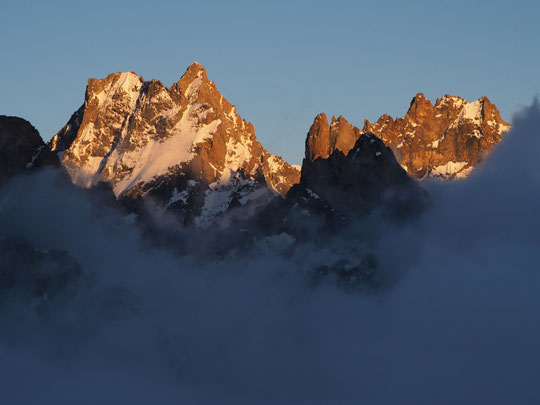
(183, 149)
(21, 148)
(445, 140)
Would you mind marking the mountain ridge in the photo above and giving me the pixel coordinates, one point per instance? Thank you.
(184, 146)
(446, 140)
(184, 150)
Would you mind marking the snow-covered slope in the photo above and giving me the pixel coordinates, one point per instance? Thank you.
(184, 148)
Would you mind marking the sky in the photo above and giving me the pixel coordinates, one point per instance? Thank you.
(281, 62)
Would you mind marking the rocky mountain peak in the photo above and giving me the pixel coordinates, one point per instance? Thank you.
(367, 126)
(196, 70)
(323, 138)
(351, 184)
(449, 100)
(343, 135)
(114, 82)
(194, 85)
(318, 138)
(420, 109)
(444, 140)
(185, 147)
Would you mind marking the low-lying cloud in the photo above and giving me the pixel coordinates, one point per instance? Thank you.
(458, 322)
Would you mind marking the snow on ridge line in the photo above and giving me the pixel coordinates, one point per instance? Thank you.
(126, 81)
(194, 87)
(472, 111)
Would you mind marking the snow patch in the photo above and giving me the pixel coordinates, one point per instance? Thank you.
(178, 196)
(128, 82)
(34, 157)
(192, 92)
(219, 197)
(238, 153)
(471, 112)
(455, 101)
(233, 115)
(451, 170)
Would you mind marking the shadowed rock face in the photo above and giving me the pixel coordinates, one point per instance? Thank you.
(183, 148)
(21, 148)
(337, 191)
(444, 140)
(355, 183)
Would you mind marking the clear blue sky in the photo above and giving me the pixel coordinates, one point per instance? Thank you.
(279, 62)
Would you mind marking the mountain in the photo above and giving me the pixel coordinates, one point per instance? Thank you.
(183, 149)
(21, 148)
(366, 178)
(445, 140)
(353, 184)
(338, 189)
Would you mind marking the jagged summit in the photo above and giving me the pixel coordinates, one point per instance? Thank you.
(185, 146)
(420, 109)
(365, 177)
(323, 139)
(341, 187)
(443, 140)
(197, 69)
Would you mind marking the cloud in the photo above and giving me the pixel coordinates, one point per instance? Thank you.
(458, 324)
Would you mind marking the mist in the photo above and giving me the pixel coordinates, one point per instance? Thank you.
(453, 320)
